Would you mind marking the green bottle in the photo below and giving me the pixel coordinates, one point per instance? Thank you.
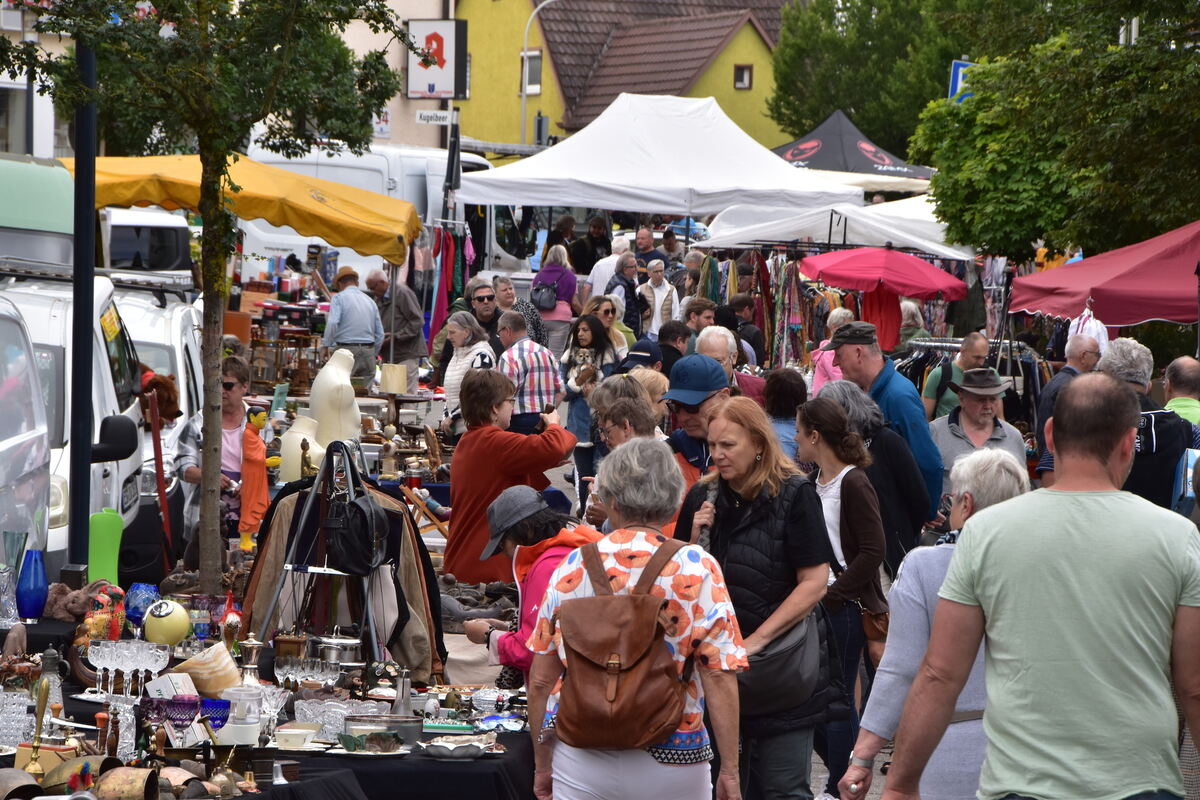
(104, 544)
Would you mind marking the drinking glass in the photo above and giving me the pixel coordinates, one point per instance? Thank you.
(126, 651)
(154, 712)
(217, 712)
(139, 598)
(160, 657)
(14, 718)
(98, 655)
(274, 698)
(182, 710)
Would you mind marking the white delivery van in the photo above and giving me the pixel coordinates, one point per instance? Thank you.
(166, 332)
(145, 238)
(411, 173)
(24, 434)
(46, 306)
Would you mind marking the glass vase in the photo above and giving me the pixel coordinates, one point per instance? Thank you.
(32, 587)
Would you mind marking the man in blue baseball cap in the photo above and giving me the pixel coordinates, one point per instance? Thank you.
(698, 384)
(644, 353)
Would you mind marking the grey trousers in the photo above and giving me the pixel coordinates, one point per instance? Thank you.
(364, 360)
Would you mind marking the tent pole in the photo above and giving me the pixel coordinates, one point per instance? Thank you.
(1198, 309)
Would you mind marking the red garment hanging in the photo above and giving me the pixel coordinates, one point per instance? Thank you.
(882, 309)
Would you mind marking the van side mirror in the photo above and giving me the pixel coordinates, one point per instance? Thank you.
(118, 439)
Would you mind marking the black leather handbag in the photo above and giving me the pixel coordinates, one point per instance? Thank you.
(355, 526)
(783, 674)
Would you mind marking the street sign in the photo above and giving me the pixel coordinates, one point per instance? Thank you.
(433, 116)
(958, 80)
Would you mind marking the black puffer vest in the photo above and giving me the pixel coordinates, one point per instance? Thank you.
(759, 577)
(633, 302)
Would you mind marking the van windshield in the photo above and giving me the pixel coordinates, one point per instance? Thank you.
(150, 247)
(48, 359)
(55, 248)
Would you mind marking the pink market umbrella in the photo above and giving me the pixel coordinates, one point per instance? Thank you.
(869, 268)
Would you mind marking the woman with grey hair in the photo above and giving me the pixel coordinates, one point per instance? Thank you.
(912, 324)
(471, 351)
(903, 501)
(641, 485)
(823, 366)
(981, 479)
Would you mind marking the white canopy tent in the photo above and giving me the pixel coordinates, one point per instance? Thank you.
(871, 183)
(908, 223)
(645, 153)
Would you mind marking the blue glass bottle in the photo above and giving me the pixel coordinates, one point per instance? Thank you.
(32, 587)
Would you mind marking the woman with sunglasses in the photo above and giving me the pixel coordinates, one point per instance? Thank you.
(471, 351)
(761, 520)
(589, 358)
(602, 307)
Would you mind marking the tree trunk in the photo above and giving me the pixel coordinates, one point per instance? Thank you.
(213, 255)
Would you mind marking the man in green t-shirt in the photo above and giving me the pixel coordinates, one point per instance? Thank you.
(1090, 601)
(971, 355)
(1182, 386)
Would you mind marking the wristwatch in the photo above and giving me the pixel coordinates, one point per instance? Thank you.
(865, 763)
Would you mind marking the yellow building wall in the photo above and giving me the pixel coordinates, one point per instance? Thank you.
(746, 107)
(495, 29)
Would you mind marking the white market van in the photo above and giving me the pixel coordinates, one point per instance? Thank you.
(411, 173)
(145, 238)
(36, 252)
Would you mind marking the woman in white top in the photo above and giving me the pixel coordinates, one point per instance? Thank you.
(852, 520)
(471, 351)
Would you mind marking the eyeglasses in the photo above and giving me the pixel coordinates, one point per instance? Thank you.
(485, 298)
(604, 431)
(608, 312)
(228, 385)
(677, 406)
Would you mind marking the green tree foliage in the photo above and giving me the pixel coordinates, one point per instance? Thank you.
(883, 61)
(1079, 139)
(202, 74)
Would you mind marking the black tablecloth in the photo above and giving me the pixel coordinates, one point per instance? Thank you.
(46, 633)
(508, 776)
(338, 784)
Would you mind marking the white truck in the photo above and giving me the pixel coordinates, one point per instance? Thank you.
(415, 174)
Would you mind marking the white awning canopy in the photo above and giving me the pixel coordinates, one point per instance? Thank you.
(908, 223)
(670, 155)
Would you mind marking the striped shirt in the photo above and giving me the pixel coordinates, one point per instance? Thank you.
(534, 371)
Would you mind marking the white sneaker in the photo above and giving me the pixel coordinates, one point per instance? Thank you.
(825, 796)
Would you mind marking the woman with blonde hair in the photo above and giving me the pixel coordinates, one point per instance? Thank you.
(761, 520)
(851, 511)
(603, 307)
(656, 385)
(556, 272)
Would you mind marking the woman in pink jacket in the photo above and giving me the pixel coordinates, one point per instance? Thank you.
(537, 538)
(822, 360)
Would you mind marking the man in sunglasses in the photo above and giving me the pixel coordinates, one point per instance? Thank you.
(698, 384)
(483, 306)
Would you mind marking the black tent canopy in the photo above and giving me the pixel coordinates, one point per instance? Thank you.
(838, 145)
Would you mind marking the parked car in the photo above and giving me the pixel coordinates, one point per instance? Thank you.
(24, 434)
(166, 332)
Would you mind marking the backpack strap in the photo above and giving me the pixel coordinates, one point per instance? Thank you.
(595, 569)
(665, 552)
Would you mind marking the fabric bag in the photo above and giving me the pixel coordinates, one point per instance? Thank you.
(545, 295)
(621, 690)
(783, 674)
(355, 526)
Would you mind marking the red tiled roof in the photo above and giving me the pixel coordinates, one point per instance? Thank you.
(578, 34)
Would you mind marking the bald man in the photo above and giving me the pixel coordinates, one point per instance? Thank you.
(1182, 386)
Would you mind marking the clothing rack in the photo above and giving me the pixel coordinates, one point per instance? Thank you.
(458, 224)
(955, 345)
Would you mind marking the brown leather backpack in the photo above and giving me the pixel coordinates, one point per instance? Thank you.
(621, 690)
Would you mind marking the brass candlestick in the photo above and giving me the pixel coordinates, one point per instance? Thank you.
(43, 695)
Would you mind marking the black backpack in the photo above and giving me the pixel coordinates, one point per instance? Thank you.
(545, 295)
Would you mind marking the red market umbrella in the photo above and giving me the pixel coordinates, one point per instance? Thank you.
(1150, 280)
(870, 268)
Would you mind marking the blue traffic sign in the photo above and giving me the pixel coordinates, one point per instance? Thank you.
(958, 80)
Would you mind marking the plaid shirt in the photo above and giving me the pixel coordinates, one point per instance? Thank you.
(534, 371)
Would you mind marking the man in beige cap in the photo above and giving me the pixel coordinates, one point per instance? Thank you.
(353, 324)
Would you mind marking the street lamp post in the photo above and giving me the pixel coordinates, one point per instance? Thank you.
(525, 63)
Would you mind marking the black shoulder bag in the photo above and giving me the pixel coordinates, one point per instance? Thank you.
(355, 526)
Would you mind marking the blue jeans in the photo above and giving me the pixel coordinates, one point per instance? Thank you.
(835, 740)
(777, 767)
(585, 467)
(1159, 795)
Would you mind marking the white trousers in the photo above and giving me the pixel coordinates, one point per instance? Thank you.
(625, 775)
